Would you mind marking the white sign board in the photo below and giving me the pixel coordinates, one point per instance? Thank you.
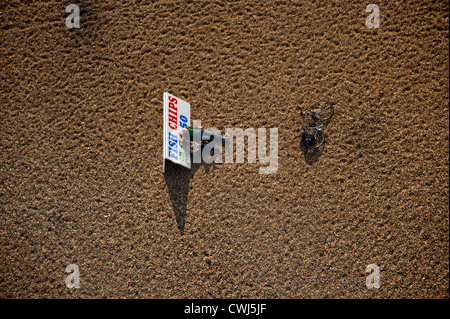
(177, 115)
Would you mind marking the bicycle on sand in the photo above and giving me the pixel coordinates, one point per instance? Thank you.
(312, 136)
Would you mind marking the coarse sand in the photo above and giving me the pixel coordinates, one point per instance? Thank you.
(81, 177)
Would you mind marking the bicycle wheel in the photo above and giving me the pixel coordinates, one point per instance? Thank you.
(315, 142)
(323, 110)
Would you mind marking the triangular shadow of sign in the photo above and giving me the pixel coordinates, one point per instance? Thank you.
(177, 180)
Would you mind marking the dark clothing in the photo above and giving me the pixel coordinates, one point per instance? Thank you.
(205, 135)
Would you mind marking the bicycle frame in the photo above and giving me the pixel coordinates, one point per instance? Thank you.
(312, 136)
(317, 126)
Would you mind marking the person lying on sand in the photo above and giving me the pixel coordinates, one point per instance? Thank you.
(205, 136)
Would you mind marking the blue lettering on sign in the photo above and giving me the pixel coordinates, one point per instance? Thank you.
(183, 121)
(173, 146)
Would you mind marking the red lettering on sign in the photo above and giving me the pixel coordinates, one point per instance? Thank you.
(172, 99)
(172, 122)
(173, 113)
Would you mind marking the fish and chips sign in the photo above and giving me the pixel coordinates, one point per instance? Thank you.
(177, 148)
(177, 115)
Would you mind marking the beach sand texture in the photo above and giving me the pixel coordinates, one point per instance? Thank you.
(81, 177)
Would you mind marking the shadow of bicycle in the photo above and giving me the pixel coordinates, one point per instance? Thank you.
(312, 155)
